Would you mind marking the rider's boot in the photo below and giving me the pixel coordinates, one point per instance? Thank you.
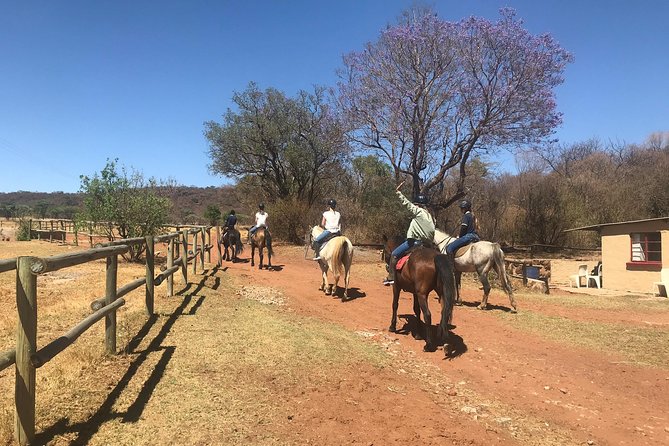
(392, 271)
(317, 250)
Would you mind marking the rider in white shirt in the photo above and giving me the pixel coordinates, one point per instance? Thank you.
(332, 224)
(261, 220)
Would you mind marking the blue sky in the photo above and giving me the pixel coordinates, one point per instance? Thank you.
(83, 81)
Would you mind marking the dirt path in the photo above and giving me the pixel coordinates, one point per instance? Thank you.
(589, 395)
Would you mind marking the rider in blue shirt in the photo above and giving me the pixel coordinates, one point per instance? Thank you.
(468, 228)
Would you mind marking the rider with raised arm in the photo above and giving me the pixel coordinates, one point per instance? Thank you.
(331, 221)
(421, 230)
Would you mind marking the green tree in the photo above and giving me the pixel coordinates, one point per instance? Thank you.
(213, 215)
(285, 147)
(124, 202)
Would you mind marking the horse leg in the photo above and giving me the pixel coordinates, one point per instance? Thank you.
(458, 278)
(416, 312)
(261, 256)
(483, 277)
(506, 284)
(396, 302)
(253, 254)
(347, 276)
(324, 281)
(430, 345)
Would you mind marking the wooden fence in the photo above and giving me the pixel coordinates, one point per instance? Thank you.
(27, 357)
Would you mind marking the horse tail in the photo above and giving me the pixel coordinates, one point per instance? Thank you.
(268, 243)
(339, 251)
(498, 257)
(238, 242)
(444, 268)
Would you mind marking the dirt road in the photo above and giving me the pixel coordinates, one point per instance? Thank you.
(547, 390)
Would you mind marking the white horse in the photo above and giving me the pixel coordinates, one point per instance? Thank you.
(480, 257)
(337, 256)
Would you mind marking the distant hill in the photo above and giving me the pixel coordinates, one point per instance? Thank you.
(188, 203)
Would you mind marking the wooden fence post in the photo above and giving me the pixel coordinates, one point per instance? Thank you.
(195, 253)
(218, 245)
(26, 345)
(90, 233)
(184, 255)
(170, 263)
(209, 244)
(110, 296)
(204, 245)
(150, 251)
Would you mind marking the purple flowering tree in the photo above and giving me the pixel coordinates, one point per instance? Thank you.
(429, 95)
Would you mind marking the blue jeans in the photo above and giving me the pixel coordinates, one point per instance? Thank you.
(404, 247)
(462, 241)
(323, 235)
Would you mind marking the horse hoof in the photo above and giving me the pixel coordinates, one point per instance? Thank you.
(482, 307)
(447, 351)
(514, 311)
(392, 329)
(429, 348)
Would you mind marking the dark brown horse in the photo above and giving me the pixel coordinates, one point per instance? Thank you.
(260, 240)
(232, 245)
(425, 271)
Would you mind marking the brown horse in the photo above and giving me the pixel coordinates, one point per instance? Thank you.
(232, 244)
(426, 270)
(260, 240)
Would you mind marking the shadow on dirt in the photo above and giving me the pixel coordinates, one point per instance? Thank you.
(490, 306)
(457, 346)
(86, 430)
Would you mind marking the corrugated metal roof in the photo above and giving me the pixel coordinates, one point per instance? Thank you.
(599, 226)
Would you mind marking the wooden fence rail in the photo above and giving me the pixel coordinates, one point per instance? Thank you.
(27, 357)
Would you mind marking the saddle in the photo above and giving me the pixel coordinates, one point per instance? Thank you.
(402, 260)
(325, 240)
(463, 250)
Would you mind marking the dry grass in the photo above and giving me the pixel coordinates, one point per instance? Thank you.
(642, 346)
(229, 390)
(637, 303)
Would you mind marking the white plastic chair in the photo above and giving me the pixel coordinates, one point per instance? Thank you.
(576, 278)
(597, 278)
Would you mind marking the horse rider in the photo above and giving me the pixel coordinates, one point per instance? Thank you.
(261, 220)
(468, 229)
(420, 232)
(229, 224)
(331, 222)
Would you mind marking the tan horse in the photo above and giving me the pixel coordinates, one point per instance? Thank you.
(336, 256)
(260, 240)
(480, 258)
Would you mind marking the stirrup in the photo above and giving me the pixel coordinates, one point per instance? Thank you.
(316, 258)
(388, 282)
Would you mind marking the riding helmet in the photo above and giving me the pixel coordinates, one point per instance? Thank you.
(420, 199)
(332, 203)
(261, 206)
(465, 204)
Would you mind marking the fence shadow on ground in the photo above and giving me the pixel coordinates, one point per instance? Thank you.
(86, 430)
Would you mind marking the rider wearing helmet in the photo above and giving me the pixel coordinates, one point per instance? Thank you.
(332, 224)
(261, 220)
(468, 228)
(229, 224)
(421, 230)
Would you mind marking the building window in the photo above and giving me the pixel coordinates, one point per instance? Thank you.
(646, 248)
